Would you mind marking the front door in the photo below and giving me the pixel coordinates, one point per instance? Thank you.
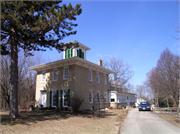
(44, 97)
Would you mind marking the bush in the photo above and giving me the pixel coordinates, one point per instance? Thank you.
(76, 103)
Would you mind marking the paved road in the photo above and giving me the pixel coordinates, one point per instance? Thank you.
(145, 122)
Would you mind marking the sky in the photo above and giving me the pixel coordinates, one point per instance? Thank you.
(134, 31)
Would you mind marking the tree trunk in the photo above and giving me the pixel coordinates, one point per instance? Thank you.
(14, 79)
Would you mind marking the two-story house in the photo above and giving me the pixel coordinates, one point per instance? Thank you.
(57, 82)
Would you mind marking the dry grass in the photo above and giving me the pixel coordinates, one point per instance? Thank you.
(172, 118)
(56, 122)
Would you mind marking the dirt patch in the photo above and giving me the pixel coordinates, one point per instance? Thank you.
(58, 122)
(172, 118)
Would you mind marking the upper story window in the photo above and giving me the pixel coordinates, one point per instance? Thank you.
(43, 76)
(90, 75)
(68, 53)
(105, 81)
(97, 77)
(66, 73)
(80, 54)
(55, 75)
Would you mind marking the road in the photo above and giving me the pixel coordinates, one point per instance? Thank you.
(145, 122)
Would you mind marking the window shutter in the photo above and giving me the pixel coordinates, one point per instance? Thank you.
(61, 98)
(68, 53)
(71, 52)
(77, 53)
(57, 98)
(83, 55)
(68, 97)
(50, 99)
(80, 53)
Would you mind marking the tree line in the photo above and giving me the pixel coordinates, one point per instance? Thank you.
(162, 81)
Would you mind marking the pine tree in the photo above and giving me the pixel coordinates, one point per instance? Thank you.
(33, 26)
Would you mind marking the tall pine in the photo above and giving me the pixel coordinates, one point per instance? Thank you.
(33, 26)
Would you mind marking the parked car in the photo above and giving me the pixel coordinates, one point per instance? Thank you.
(144, 106)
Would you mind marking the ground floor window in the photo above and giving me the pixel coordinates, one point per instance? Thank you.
(91, 97)
(54, 98)
(65, 98)
(98, 97)
(112, 100)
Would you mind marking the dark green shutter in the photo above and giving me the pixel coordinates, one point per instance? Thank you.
(57, 98)
(61, 98)
(77, 53)
(82, 55)
(69, 97)
(65, 54)
(71, 52)
(68, 53)
(50, 99)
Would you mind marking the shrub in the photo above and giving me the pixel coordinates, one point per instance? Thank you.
(76, 103)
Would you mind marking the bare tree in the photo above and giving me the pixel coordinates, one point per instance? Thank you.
(163, 79)
(26, 79)
(123, 72)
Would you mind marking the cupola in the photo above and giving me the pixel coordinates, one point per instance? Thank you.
(78, 52)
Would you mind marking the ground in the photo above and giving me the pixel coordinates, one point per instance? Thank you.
(147, 122)
(56, 122)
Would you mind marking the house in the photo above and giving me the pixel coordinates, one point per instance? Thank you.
(118, 98)
(58, 81)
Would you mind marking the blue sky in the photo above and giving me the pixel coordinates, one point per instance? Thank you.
(135, 31)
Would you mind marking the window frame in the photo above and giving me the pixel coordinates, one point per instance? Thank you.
(97, 77)
(90, 78)
(91, 97)
(105, 79)
(105, 96)
(54, 75)
(43, 79)
(65, 74)
(63, 98)
(52, 99)
(98, 97)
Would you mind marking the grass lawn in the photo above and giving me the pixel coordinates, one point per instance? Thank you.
(42, 122)
(172, 118)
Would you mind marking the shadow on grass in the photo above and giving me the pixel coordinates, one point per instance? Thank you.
(28, 117)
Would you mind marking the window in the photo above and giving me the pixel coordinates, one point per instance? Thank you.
(105, 98)
(90, 97)
(66, 73)
(43, 76)
(98, 97)
(90, 75)
(66, 96)
(105, 81)
(112, 100)
(55, 75)
(80, 54)
(97, 76)
(127, 97)
(68, 53)
(54, 98)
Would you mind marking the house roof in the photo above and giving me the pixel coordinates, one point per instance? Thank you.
(80, 45)
(122, 93)
(71, 61)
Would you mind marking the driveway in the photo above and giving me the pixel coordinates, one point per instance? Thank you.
(145, 122)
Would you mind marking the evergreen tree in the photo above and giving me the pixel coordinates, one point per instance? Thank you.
(33, 26)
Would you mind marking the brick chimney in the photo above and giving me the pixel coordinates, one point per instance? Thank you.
(100, 63)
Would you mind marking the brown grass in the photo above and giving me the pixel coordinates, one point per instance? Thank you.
(56, 122)
(170, 117)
